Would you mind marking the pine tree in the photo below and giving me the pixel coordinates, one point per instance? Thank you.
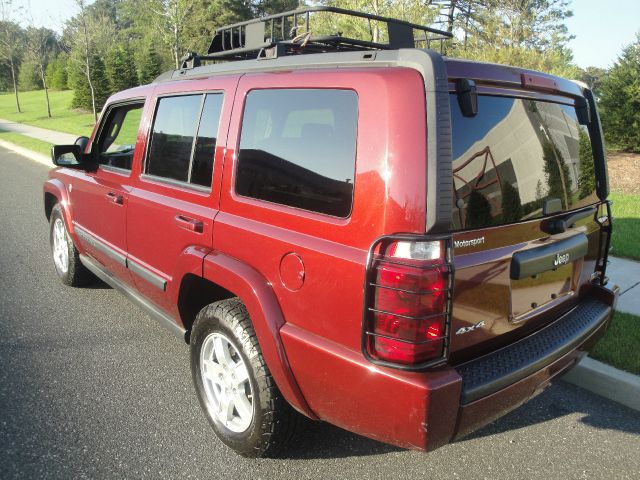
(587, 177)
(511, 204)
(151, 66)
(82, 92)
(478, 211)
(120, 68)
(57, 72)
(620, 100)
(557, 173)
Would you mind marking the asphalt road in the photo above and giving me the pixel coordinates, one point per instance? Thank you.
(90, 387)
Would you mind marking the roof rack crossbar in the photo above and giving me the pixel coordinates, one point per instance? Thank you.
(239, 40)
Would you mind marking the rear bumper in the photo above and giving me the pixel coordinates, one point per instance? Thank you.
(425, 410)
(497, 370)
(498, 382)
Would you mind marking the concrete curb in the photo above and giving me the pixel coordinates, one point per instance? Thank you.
(597, 377)
(606, 381)
(30, 154)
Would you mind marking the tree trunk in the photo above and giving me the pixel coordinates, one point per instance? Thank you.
(376, 28)
(93, 94)
(15, 85)
(46, 90)
(451, 15)
(176, 45)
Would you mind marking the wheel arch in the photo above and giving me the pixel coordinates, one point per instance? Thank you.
(225, 277)
(54, 192)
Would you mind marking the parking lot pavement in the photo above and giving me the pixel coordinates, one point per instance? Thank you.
(90, 387)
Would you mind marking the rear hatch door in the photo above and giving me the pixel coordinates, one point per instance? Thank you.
(526, 232)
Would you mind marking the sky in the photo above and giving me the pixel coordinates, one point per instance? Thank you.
(601, 28)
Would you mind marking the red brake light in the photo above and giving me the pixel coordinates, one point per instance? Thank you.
(407, 317)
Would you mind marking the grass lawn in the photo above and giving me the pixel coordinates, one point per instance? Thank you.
(626, 225)
(620, 346)
(26, 142)
(34, 111)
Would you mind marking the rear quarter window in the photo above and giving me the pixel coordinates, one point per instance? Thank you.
(298, 148)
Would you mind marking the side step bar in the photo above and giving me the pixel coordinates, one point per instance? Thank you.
(148, 307)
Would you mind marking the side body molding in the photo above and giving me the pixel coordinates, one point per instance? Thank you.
(267, 318)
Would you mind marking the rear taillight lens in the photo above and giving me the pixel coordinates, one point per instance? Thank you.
(408, 301)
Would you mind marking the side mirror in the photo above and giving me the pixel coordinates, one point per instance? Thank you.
(67, 155)
(82, 142)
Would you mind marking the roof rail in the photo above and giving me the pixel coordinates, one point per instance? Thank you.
(289, 33)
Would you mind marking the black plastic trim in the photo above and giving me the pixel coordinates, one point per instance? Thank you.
(439, 158)
(598, 148)
(154, 312)
(147, 275)
(530, 262)
(89, 238)
(499, 369)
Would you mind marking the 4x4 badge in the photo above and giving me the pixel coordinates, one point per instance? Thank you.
(561, 259)
(470, 328)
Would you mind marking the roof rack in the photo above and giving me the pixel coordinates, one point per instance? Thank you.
(289, 33)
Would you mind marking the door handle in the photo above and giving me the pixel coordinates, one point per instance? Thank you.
(115, 198)
(190, 224)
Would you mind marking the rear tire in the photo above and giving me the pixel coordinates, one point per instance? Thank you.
(66, 258)
(236, 391)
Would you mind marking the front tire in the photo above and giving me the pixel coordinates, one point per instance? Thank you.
(66, 257)
(234, 386)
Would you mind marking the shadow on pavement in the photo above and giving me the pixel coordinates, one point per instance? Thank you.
(320, 440)
(597, 412)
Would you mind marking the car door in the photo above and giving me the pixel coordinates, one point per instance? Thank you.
(176, 193)
(100, 197)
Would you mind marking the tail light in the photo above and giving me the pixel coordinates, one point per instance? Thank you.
(407, 311)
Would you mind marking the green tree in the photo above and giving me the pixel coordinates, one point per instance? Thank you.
(29, 77)
(120, 68)
(11, 45)
(524, 33)
(593, 77)
(557, 174)
(511, 204)
(57, 72)
(40, 44)
(150, 66)
(88, 97)
(478, 211)
(620, 100)
(414, 11)
(87, 36)
(587, 177)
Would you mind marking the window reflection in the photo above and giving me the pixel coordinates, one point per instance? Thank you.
(513, 156)
(298, 148)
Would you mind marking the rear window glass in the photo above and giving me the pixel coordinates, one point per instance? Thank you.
(515, 155)
(298, 148)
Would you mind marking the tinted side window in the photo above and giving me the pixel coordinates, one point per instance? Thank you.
(118, 136)
(204, 151)
(298, 148)
(174, 129)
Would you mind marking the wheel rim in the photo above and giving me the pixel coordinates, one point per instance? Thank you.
(60, 246)
(226, 383)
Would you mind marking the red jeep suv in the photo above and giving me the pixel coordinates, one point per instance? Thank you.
(371, 234)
